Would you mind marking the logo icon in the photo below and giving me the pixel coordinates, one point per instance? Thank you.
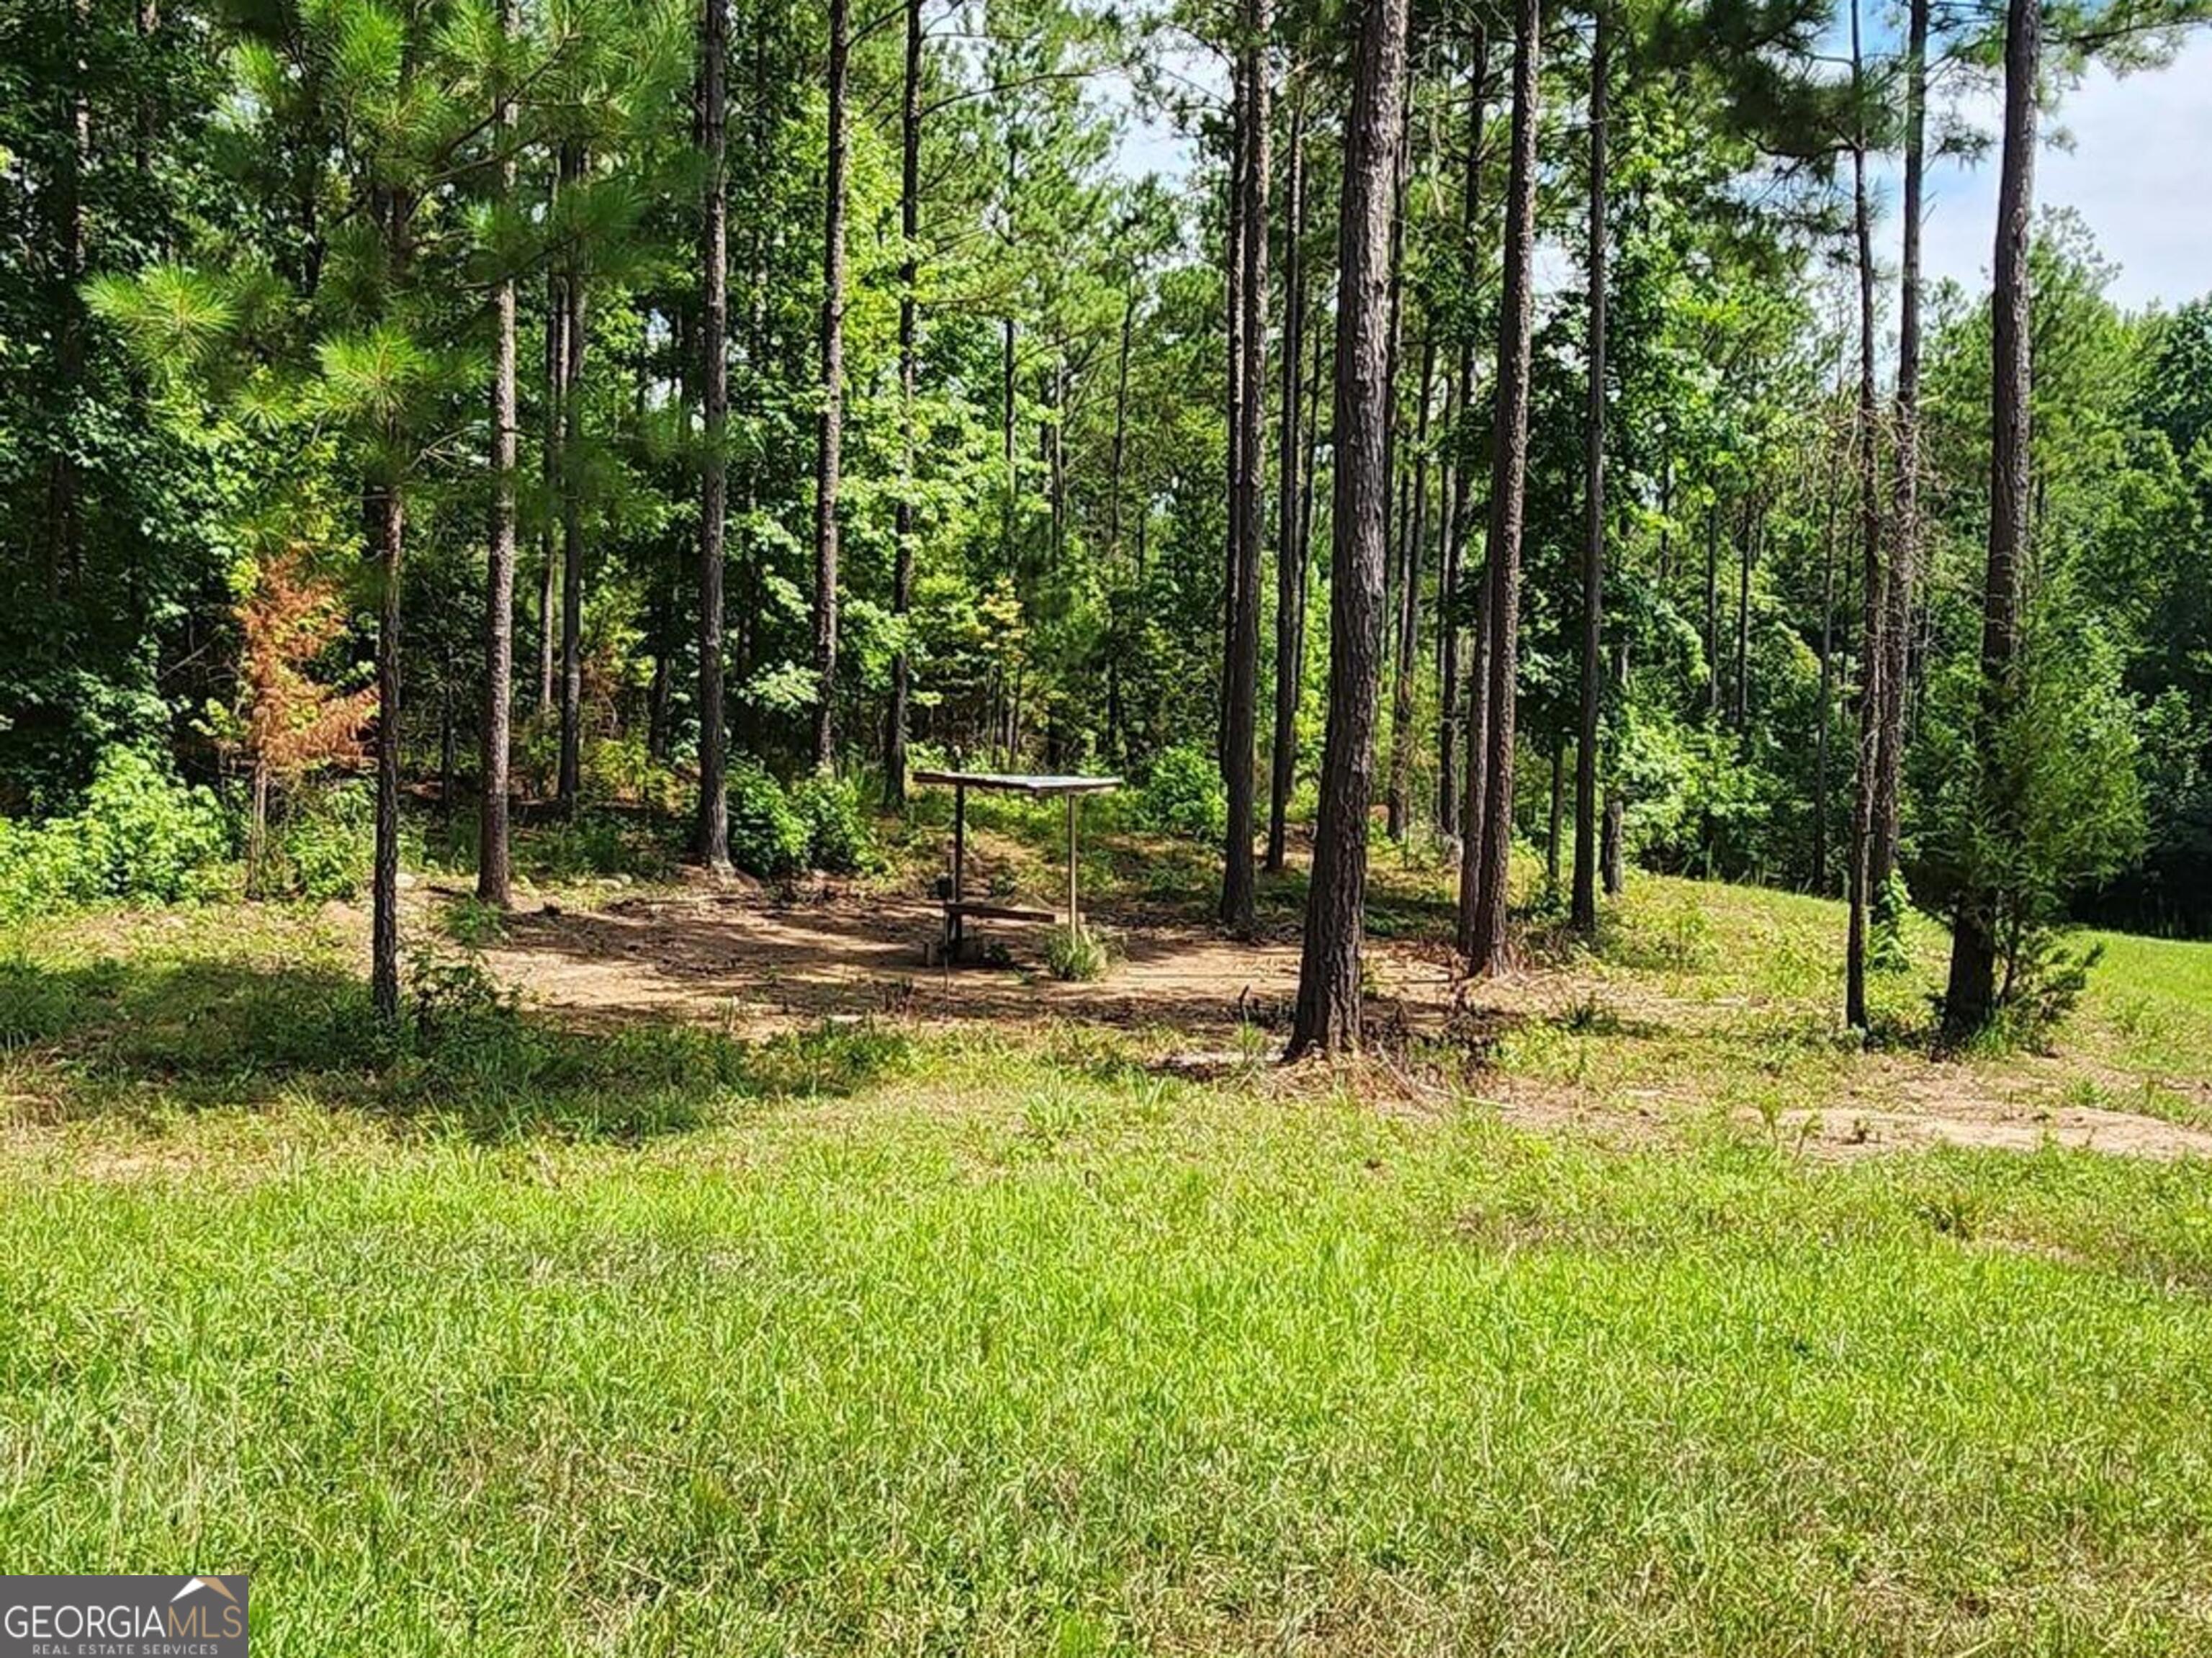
(72, 1617)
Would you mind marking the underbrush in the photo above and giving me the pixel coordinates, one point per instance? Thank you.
(141, 835)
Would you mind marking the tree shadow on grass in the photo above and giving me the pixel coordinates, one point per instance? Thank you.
(143, 1038)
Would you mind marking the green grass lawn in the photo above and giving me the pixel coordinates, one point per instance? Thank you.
(522, 1341)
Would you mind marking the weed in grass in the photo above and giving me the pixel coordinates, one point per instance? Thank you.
(2082, 1093)
(2154, 1099)
(1955, 1212)
(1255, 1046)
(1076, 954)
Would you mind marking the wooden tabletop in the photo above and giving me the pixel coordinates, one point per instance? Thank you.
(1021, 783)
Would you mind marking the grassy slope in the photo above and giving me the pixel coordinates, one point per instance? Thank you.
(525, 1343)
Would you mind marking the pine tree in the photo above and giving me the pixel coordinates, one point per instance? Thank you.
(1583, 904)
(710, 838)
(830, 430)
(1327, 1018)
(1240, 672)
(1508, 490)
(1970, 998)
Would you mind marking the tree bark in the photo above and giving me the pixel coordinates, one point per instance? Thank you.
(388, 523)
(1115, 467)
(1289, 548)
(1474, 739)
(572, 514)
(1414, 532)
(1821, 740)
(1872, 650)
(64, 527)
(1558, 814)
(710, 834)
(1713, 605)
(1971, 999)
(1240, 137)
(556, 371)
(1509, 482)
(902, 524)
(1328, 1015)
(1754, 529)
(493, 862)
(1243, 668)
(1396, 580)
(1582, 906)
(1904, 528)
(830, 450)
(1613, 851)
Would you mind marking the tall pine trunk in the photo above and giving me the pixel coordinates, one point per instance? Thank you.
(1970, 1000)
(1754, 530)
(386, 516)
(1242, 673)
(387, 526)
(1290, 539)
(1822, 740)
(1584, 905)
(1713, 605)
(548, 568)
(1475, 739)
(1412, 533)
(1451, 501)
(572, 512)
(1395, 581)
(1328, 1015)
(1904, 528)
(903, 526)
(1508, 482)
(710, 834)
(1872, 650)
(1240, 139)
(64, 527)
(493, 873)
(1116, 465)
(830, 449)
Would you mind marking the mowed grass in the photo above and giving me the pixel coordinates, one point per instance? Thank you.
(516, 1341)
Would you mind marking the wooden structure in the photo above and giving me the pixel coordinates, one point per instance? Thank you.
(959, 909)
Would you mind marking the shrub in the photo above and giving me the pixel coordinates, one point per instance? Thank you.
(328, 843)
(1887, 950)
(2047, 803)
(840, 837)
(148, 835)
(40, 869)
(1183, 795)
(768, 838)
(141, 833)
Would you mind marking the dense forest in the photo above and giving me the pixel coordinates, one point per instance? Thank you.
(1517, 427)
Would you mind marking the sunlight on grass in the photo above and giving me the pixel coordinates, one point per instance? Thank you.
(873, 1337)
(1166, 1368)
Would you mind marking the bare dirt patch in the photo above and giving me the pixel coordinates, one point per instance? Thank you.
(755, 963)
(1893, 1102)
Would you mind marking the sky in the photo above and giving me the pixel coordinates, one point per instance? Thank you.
(2136, 162)
(2132, 156)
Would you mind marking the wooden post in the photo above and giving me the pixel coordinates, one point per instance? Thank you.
(953, 922)
(1074, 914)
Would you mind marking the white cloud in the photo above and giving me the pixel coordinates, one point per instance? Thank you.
(2135, 171)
